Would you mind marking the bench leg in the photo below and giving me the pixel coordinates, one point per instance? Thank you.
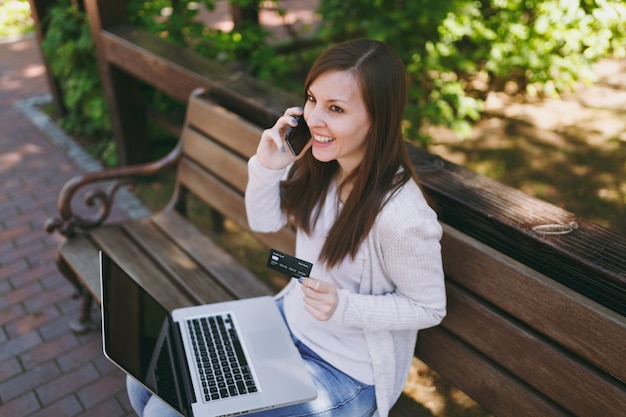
(83, 323)
(218, 222)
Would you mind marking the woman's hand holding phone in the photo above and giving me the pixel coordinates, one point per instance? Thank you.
(298, 137)
(272, 151)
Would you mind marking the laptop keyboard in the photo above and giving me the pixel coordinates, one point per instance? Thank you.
(222, 364)
(166, 386)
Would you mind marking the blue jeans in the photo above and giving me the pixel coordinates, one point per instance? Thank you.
(338, 394)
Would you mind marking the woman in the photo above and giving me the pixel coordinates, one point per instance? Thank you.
(363, 222)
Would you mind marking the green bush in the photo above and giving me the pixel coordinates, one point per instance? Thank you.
(456, 51)
(178, 23)
(69, 50)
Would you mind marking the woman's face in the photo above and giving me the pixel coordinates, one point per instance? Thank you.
(338, 119)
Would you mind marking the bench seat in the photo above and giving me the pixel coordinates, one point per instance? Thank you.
(177, 263)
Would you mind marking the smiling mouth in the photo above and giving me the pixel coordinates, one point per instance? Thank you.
(324, 139)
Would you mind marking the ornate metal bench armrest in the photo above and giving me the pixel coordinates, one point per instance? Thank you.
(69, 222)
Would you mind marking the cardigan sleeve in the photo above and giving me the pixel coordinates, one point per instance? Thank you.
(408, 289)
(262, 198)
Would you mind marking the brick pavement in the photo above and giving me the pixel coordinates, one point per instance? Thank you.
(45, 369)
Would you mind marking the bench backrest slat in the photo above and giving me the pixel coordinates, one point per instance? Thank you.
(531, 357)
(513, 315)
(231, 130)
(230, 203)
(481, 378)
(216, 159)
(586, 327)
(216, 147)
(204, 184)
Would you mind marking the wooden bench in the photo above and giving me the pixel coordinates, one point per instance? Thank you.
(515, 340)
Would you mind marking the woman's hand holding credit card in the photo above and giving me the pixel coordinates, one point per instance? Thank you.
(320, 297)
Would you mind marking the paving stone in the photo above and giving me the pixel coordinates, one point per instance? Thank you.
(48, 297)
(57, 327)
(31, 321)
(85, 353)
(5, 286)
(14, 268)
(21, 406)
(46, 351)
(103, 388)
(11, 312)
(66, 384)
(9, 368)
(28, 381)
(67, 407)
(109, 408)
(19, 345)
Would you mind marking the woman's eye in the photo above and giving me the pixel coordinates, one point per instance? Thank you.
(336, 109)
(310, 98)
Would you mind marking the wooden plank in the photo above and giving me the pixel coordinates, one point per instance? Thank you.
(568, 381)
(229, 203)
(224, 269)
(474, 374)
(178, 71)
(230, 130)
(175, 263)
(578, 323)
(81, 255)
(122, 91)
(141, 267)
(216, 159)
(212, 191)
(589, 260)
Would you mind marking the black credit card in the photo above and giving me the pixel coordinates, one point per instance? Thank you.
(288, 265)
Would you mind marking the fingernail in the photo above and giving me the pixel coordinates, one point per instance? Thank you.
(294, 121)
(300, 279)
(282, 149)
(300, 109)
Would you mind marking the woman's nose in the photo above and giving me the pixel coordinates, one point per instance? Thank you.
(313, 116)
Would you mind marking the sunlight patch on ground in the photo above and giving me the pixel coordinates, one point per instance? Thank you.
(11, 159)
(32, 71)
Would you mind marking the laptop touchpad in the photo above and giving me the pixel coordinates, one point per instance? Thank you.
(270, 344)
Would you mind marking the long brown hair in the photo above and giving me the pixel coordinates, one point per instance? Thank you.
(380, 73)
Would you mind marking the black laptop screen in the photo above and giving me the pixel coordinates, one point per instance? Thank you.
(133, 322)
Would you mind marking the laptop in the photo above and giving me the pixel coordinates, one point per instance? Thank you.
(228, 358)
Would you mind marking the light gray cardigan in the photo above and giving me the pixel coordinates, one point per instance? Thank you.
(402, 289)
